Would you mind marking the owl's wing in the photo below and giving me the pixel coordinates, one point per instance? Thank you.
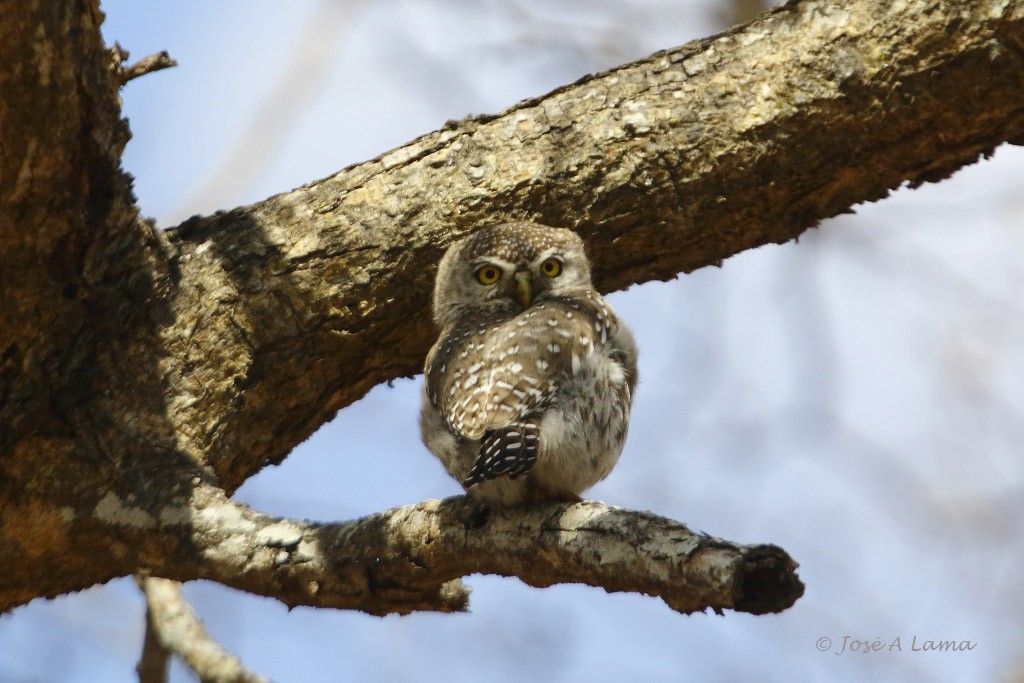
(495, 381)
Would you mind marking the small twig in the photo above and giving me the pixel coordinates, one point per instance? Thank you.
(154, 62)
(178, 630)
(152, 666)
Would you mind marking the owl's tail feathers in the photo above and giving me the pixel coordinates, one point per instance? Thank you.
(507, 452)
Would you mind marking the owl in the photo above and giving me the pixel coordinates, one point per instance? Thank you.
(527, 391)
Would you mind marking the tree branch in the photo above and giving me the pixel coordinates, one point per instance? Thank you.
(179, 631)
(665, 165)
(410, 558)
(155, 658)
(148, 64)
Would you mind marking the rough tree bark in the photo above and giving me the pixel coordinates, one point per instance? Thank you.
(144, 375)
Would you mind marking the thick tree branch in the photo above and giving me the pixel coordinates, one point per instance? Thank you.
(410, 558)
(179, 631)
(668, 164)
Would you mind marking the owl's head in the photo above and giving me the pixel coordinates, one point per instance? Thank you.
(511, 266)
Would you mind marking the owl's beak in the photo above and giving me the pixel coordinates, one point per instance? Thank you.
(523, 289)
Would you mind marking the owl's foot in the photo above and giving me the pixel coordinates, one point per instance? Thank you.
(545, 496)
(566, 497)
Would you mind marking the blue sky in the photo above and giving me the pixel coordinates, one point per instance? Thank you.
(854, 398)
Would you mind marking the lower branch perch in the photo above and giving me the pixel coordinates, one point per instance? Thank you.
(410, 558)
(598, 545)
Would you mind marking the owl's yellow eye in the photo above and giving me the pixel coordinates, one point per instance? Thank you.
(488, 275)
(552, 267)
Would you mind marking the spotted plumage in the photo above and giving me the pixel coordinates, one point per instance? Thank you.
(528, 388)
